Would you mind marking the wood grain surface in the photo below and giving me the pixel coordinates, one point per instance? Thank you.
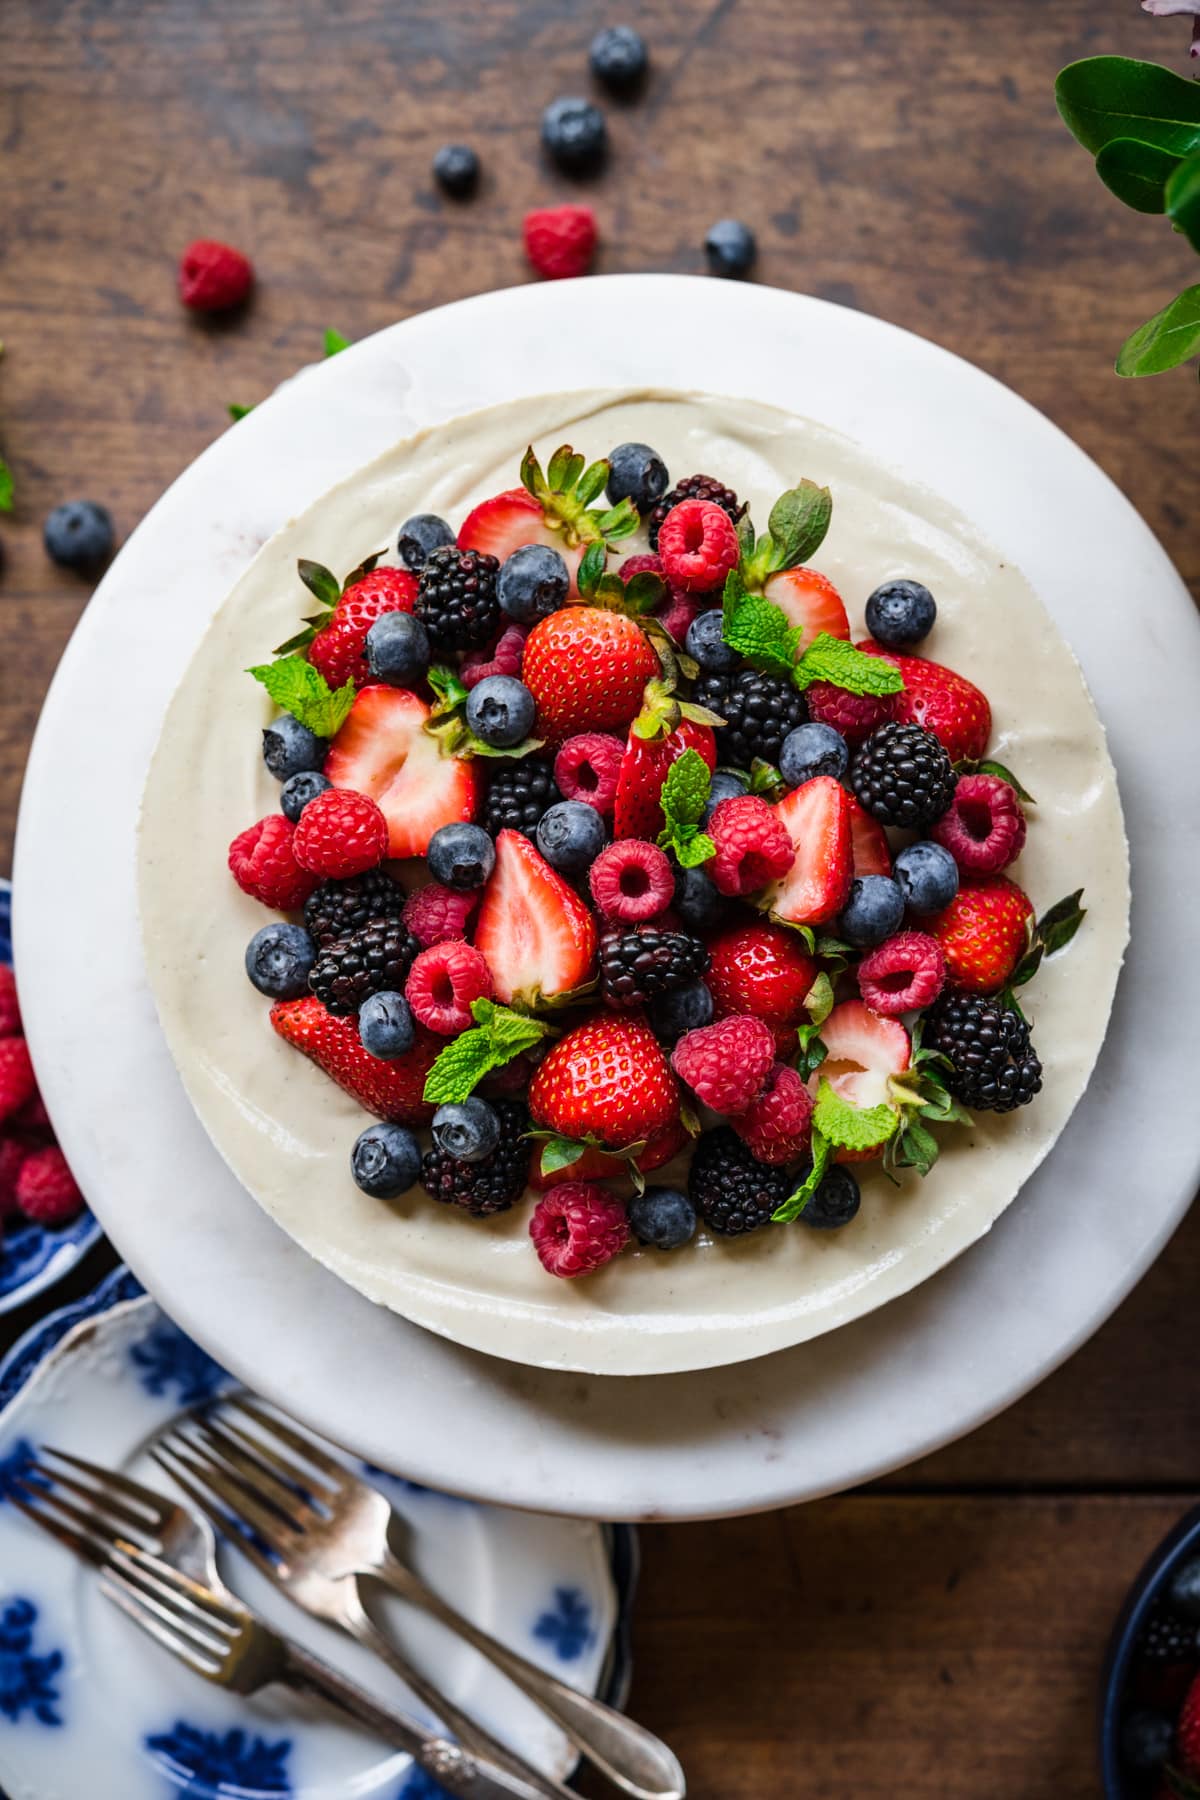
(939, 1636)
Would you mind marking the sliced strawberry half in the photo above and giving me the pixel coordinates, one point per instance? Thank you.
(864, 1051)
(811, 602)
(394, 1090)
(869, 847)
(535, 933)
(502, 524)
(940, 699)
(817, 816)
(382, 750)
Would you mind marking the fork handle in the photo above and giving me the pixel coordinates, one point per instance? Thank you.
(633, 1759)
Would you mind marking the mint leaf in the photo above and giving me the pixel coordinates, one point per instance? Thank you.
(795, 1203)
(765, 780)
(1137, 173)
(237, 411)
(683, 798)
(334, 341)
(756, 628)
(498, 1036)
(296, 687)
(1164, 341)
(852, 1127)
(818, 1002)
(6, 487)
(798, 523)
(1107, 97)
(321, 582)
(1183, 199)
(832, 659)
(560, 1153)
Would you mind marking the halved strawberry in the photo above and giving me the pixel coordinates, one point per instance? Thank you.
(817, 816)
(869, 848)
(382, 750)
(941, 700)
(394, 1089)
(810, 601)
(643, 770)
(502, 524)
(535, 933)
(864, 1051)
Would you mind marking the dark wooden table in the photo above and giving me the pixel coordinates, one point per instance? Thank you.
(939, 1635)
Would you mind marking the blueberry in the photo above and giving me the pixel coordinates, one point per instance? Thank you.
(1183, 1591)
(296, 792)
(533, 582)
(574, 135)
(730, 248)
(637, 473)
(278, 959)
(289, 746)
(811, 750)
(928, 876)
(468, 1130)
(723, 785)
(570, 835)
(705, 642)
(1147, 1740)
(662, 1217)
(398, 649)
(500, 711)
(835, 1201)
(456, 170)
(419, 535)
(385, 1025)
(618, 58)
(697, 900)
(461, 856)
(79, 535)
(873, 911)
(680, 1009)
(385, 1161)
(901, 613)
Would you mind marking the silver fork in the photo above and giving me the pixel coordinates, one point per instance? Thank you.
(323, 1529)
(209, 1630)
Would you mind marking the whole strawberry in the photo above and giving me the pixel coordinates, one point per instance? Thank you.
(608, 1081)
(761, 969)
(338, 649)
(586, 669)
(392, 1090)
(983, 933)
(942, 701)
(643, 770)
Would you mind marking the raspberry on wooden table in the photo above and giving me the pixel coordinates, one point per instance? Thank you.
(578, 1227)
(726, 1065)
(214, 277)
(340, 833)
(560, 241)
(47, 1192)
(263, 863)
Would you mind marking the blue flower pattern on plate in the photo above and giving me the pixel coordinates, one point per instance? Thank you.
(16, 1463)
(27, 1676)
(567, 1624)
(166, 1359)
(212, 1763)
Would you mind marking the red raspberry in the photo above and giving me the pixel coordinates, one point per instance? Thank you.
(16, 1076)
(698, 544)
(47, 1191)
(856, 716)
(631, 880)
(577, 1227)
(341, 833)
(12, 1154)
(754, 846)
(726, 1065)
(586, 768)
(436, 914)
(442, 983)
(338, 652)
(263, 863)
(32, 1119)
(778, 1126)
(984, 829)
(10, 1012)
(906, 972)
(504, 657)
(560, 240)
(213, 277)
(677, 611)
(644, 563)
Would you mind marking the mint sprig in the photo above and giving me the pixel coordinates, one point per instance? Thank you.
(497, 1036)
(852, 1127)
(334, 342)
(795, 1203)
(756, 628)
(795, 531)
(683, 799)
(833, 660)
(297, 688)
(238, 411)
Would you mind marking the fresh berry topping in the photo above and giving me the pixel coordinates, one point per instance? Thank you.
(698, 545)
(385, 1025)
(578, 1227)
(817, 817)
(466, 1129)
(731, 1190)
(456, 170)
(873, 910)
(638, 965)
(10, 1011)
(262, 863)
(762, 969)
(419, 537)
(726, 1065)
(607, 1080)
(518, 795)
(289, 747)
(812, 749)
(984, 932)
(571, 835)
(340, 833)
(942, 701)
(338, 651)
(500, 711)
(278, 960)
(504, 658)
(705, 642)
(47, 1192)
(869, 849)
(339, 907)
(437, 914)
(382, 750)
(644, 768)
(385, 1160)
(493, 1184)
(599, 1165)
(994, 1067)
(777, 1126)
(855, 716)
(398, 649)
(730, 248)
(574, 135)
(442, 983)
(637, 473)
(663, 1218)
(631, 881)
(587, 669)
(759, 711)
(901, 613)
(865, 1052)
(834, 1202)
(536, 934)
(696, 900)
(456, 598)
(753, 845)
(79, 535)
(214, 277)
(586, 769)
(694, 487)
(533, 583)
(617, 57)
(902, 776)
(984, 829)
(373, 960)
(16, 1075)
(811, 602)
(394, 1090)
(506, 521)
(902, 975)
(928, 877)
(680, 1010)
(296, 793)
(560, 241)
(723, 785)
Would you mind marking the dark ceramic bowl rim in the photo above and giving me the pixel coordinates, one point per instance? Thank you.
(1184, 1540)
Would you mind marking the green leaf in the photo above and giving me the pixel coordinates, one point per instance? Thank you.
(765, 780)
(683, 798)
(756, 628)
(832, 659)
(1058, 926)
(915, 1147)
(798, 523)
(1166, 340)
(566, 466)
(818, 1002)
(1183, 199)
(852, 1127)
(592, 480)
(321, 582)
(360, 569)
(745, 533)
(1137, 173)
(795, 1203)
(450, 689)
(237, 411)
(498, 1036)
(560, 1153)
(334, 341)
(1108, 97)
(296, 687)
(1002, 774)
(6, 487)
(591, 568)
(693, 851)
(618, 522)
(813, 1051)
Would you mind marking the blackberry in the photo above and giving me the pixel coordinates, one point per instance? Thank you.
(518, 794)
(456, 598)
(636, 966)
(339, 907)
(694, 487)
(732, 1191)
(373, 960)
(759, 712)
(902, 775)
(495, 1183)
(1166, 1638)
(994, 1067)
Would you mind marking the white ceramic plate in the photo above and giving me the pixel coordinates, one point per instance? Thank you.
(785, 1427)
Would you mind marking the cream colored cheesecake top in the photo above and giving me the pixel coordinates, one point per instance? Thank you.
(286, 1130)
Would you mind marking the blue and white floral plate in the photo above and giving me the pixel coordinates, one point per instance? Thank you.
(89, 1706)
